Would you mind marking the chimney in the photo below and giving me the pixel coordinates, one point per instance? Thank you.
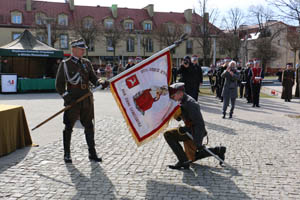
(28, 5)
(114, 10)
(71, 4)
(150, 10)
(188, 13)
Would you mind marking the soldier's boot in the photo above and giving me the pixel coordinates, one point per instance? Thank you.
(224, 115)
(219, 151)
(67, 144)
(230, 114)
(180, 165)
(89, 136)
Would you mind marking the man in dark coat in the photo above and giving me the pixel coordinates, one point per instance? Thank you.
(192, 76)
(288, 80)
(247, 79)
(297, 93)
(194, 130)
(257, 75)
(129, 64)
(73, 79)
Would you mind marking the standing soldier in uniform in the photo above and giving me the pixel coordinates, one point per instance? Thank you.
(257, 75)
(297, 93)
(247, 79)
(193, 132)
(288, 80)
(72, 82)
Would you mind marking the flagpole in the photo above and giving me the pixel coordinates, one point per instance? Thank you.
(176, 43)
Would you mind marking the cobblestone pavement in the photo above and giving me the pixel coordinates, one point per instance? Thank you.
(263, 148)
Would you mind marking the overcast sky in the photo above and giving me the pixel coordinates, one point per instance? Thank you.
(176, 6)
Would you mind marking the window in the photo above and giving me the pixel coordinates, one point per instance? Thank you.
(187, 29)
(149, 45)
(109, 44)
(171, 28)
(39, 18)
(16, 36)
(128, 26)
(63, 20)
(130, 45)
(147, 26)
(63, 40)
(87, 23)
(41, 37)
(91, 46)
(16, 17)
(109, 24)
(189, 47)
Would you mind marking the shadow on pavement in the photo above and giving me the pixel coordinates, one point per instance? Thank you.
(260, 125)
(99, 185)
(220, 128)
(13, 158)
(215, 182)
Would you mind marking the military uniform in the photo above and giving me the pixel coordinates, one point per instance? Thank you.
(256, 74)
(247, 79)
(192, 133)
(73, 80)
(288, 79)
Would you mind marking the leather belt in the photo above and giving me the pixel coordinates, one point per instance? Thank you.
(80, 86)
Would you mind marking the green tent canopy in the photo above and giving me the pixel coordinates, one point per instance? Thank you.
(28, 46)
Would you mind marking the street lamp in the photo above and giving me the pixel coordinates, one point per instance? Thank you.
(48, 21)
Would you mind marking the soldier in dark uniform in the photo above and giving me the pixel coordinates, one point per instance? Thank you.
(297, 93)
(212, 78)
(241, 71)
(288, 80)
(192, 76)
(129, 64)
(257, 75)
(72, 82)
(247, 79)
(219, 79)
(193, 132)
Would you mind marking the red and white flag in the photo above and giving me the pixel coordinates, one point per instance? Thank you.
(142, 95)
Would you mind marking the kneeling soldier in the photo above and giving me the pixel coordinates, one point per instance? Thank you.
(191, 134)
(72, 82)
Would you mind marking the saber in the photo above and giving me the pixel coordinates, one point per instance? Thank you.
(208, 151)
(67, 107)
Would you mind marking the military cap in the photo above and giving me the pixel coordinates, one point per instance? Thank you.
(289, 64)
(79, 44)
(227, 59)
(187, 58)
(175, 87)
(256, 60)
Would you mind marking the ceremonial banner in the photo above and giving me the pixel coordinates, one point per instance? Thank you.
(142, 95)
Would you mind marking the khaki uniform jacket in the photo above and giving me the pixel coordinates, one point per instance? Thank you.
(87, 74)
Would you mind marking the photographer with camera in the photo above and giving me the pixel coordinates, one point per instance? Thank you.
(231, 76)
(191, 76)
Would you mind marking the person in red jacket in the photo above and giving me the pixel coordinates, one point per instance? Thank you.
(256, 75)
(144, 99)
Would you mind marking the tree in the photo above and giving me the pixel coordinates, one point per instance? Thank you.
(42, 31)
(113, 35)
(204, 30)
(288, 9)
(263, 46)
(89, 30)
(293, 37)
(230, 40)
(168, 33)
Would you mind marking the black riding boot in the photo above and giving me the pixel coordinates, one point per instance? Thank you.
(91, 145)
(67, 143)
(219, 151)
(224, 115)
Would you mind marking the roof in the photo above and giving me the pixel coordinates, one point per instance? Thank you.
(28, 45)
(99, 13)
